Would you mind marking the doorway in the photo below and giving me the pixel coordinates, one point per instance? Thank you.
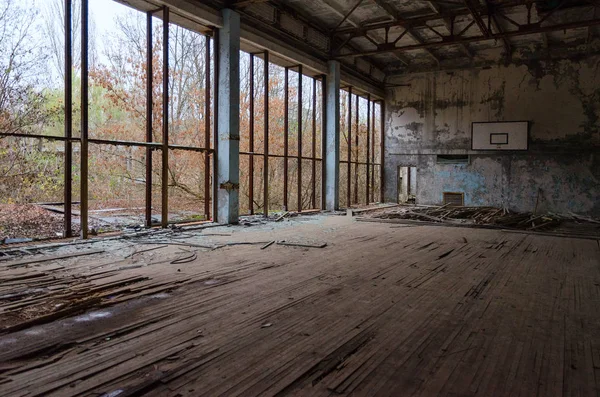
(407, 184)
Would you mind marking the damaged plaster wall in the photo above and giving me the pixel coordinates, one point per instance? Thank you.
(431, 114)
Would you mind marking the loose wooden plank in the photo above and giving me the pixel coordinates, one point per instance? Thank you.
(26, 262)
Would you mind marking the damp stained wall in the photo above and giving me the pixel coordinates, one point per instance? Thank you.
(433, 112)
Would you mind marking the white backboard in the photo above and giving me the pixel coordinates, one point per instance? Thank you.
(507, 135)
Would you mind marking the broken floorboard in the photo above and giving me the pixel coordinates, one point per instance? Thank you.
(380, 311)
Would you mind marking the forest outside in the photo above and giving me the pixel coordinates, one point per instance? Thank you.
(32, 92)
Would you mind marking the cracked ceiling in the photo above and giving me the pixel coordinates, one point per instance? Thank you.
(383, 38)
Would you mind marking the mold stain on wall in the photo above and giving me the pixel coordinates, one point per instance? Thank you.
(433, 113)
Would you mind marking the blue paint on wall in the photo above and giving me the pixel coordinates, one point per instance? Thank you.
(461, 178)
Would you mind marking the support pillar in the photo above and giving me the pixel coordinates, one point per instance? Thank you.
(332, 137)
(228, 133)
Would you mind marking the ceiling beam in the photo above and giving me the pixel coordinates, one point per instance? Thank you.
(398, 18)
(244, 3)
(477, 17)
(498, 27)
(348, 14)
(449, 25)
(524, 31)
(590, 31)
(422, 20)
(372, 36)
(288, 47)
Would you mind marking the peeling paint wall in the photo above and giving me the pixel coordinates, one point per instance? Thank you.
(433, 112)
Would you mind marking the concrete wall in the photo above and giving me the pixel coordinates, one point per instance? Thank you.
(432, 115)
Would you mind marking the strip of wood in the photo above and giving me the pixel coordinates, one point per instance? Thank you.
(302, 245)
(51, 258)
(363, 210)
(267, 245)
(580, 236)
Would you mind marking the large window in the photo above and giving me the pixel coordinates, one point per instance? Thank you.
(360, 149)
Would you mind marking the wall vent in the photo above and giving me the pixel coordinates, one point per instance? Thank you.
(452, 159)
(292, 25)
(454, 199)
(263, 11)
(318, 39)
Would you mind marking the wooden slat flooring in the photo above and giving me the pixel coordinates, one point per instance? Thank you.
(382, 310)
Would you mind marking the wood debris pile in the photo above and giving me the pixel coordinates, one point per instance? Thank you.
(492, 216)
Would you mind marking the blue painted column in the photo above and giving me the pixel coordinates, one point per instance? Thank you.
(332, 137)
(228, 133)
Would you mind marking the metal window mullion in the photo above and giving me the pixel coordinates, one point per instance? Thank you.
(207, 115)
(266, 137)
(149, 116)
(314, 145)
(251, 140)
(372, 123)
(215, 185)
(165, 125)
(368, 187)
(299, 128)
(323, 132)
(68, 166)
(356, 146)
(285, 139)
(349, 154)
(84, 120)
(381, 152)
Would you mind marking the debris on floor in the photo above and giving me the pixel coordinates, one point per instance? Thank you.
(478, 216)
(131, 317)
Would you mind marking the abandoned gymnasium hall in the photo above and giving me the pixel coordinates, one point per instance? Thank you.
(312, 198)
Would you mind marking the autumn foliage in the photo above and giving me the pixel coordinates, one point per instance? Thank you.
(118, 112)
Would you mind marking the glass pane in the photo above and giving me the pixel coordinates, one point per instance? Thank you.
(292, 184)
(116, 187)
(32, 172)
(344, 125)
(117, 74)
(186, 186)
(276, 109)
(275, 184)
(258, 184)
(244, 101)
(244, 192)
(259, 105)
(307, 184)
(343, 185)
